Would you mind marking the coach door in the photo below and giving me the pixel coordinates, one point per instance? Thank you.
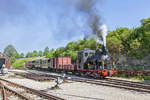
(2, 61)
(49, 64)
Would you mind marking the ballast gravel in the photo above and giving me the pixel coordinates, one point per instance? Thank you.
(81, 91)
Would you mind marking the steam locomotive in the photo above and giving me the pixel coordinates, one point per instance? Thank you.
(91, 63)
(95, 63)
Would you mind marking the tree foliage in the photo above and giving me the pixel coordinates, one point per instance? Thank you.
(10, 51)
(13, 59)
(22, 55)
(46, 51)
(51, 53)
(40, 53)
(131, 42)
(73, 47)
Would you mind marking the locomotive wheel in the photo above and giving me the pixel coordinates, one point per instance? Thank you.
(102, 77)
(95, 75)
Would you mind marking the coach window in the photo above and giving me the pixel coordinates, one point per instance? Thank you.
(91, 53)
(86, 54)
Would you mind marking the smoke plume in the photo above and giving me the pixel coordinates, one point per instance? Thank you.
(94, 20)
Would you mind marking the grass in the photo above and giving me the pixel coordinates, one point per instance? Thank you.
(20, 62)
(141, 77)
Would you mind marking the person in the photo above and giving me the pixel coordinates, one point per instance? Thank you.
(4, 70)
(103, 64)
(88, 65)
(100, 67)
(3, 66)
(114, 66)
(64, 75)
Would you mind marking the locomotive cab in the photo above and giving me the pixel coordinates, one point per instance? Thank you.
(83, 55)
(91, 62)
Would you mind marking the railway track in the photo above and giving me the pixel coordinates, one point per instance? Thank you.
(3, 92)
(117, 84)
(123, 84)
(7, 93)
(24, 93)
(36, 77)
(129, 85)
(117, 80)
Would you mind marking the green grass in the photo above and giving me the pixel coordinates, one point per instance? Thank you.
(141, 77)
(20, 63)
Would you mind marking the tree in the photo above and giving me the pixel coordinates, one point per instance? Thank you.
(22, 55)
(51, 54)
(72, 54)
(117, 41)
(13, 59)
(146, 23)
(92, 44)
(59, 52)
(40, 54)
(115, 46)
(10, 51)
(34, 53)
(29, 54)
(71, 46)
(46, 51)
(131, 42)
(80, 44)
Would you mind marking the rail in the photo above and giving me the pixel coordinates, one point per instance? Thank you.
(39, 93)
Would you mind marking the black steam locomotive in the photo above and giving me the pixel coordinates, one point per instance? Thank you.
(92, 57)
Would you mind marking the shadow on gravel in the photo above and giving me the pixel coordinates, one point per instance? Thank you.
(83, 97)
(147, 81)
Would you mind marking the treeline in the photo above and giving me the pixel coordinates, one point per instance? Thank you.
(130, 42)
(73, 47)
(70, 49)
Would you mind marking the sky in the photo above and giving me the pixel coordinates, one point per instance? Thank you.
(34, 24)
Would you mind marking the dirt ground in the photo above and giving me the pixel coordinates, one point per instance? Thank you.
(79, 91)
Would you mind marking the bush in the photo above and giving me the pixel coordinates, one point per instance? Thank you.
(20, 63)
(139, 77)
(145, 77)
(13, 59)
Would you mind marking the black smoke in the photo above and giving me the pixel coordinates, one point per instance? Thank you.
(94, 19)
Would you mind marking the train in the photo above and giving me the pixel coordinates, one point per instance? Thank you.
(91, 63)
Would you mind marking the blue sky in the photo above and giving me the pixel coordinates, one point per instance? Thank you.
(34, 24)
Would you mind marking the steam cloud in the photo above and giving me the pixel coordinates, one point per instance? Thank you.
(94, 20)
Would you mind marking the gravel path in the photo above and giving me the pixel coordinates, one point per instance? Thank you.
(83, 91)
